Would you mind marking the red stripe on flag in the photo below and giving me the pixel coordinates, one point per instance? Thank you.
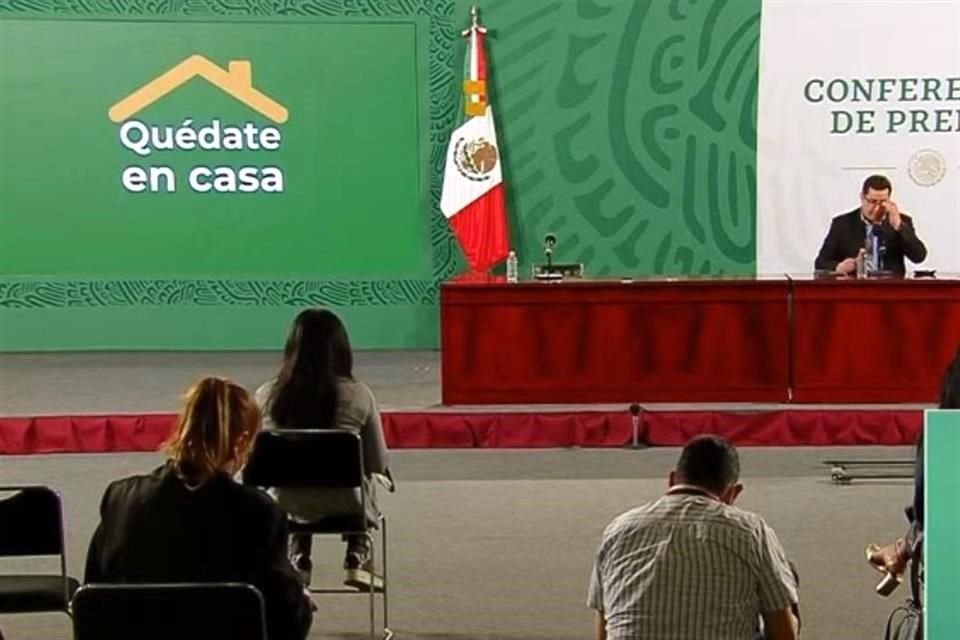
(481, 56)
(481, 228)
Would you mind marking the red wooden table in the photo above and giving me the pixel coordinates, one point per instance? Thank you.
(880, 341)
(697, 340)
(589, 341)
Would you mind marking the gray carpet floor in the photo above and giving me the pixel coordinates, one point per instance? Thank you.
(484, 544)
(145, 382)
(497, 545)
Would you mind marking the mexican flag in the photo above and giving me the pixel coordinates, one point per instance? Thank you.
(472, 198)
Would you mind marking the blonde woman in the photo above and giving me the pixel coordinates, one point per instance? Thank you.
(189, 521)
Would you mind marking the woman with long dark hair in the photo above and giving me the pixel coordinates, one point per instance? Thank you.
(315, 389)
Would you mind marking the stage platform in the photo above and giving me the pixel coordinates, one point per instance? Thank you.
(125, 401)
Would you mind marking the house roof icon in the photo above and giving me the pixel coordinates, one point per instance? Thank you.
(236, 80)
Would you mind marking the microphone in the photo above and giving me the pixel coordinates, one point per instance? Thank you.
(549, 242)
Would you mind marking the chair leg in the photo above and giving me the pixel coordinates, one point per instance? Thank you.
(373, 592)
(386, 585)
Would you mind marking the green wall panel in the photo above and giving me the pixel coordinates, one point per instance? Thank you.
(626, 128)
(630, 131)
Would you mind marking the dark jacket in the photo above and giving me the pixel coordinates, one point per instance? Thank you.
(154, 529)
(848, 233)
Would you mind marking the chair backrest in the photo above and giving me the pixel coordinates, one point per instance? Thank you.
(306, 458)
(32, 518)
(164, 611)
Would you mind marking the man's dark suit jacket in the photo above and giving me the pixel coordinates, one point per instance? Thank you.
(848, 233)
(154, 529)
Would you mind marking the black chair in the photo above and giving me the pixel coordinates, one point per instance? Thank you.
(330, 459)
(196, 611)
(31, 524)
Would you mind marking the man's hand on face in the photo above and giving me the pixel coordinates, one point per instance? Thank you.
(893, 214)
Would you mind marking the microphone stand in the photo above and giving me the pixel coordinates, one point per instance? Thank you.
(635, 411)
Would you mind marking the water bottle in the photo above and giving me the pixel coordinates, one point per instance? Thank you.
(512, 272)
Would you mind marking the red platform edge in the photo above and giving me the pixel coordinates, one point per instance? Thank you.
(426, 430)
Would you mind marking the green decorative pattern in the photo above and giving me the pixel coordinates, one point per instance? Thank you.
(25, 295)
(629, 130)
(38, 293)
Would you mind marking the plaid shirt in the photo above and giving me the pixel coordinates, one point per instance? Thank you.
(689, 567)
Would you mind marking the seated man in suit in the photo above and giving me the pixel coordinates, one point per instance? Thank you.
(893, 230)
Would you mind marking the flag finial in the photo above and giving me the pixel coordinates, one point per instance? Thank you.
(475, 25)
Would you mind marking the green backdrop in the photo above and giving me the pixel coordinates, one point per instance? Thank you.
(67, 214)
(626, 128)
